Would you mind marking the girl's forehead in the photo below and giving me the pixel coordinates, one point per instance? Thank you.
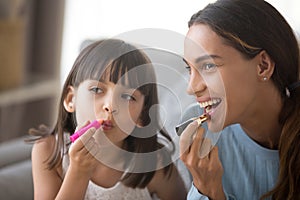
(107, 83)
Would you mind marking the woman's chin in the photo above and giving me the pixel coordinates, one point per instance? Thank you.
(215, 128)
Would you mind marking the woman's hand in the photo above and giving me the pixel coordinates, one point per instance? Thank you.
(204, 165)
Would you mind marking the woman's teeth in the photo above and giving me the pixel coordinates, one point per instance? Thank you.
(208, 105)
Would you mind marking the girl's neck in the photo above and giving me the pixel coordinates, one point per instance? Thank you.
(105, 176)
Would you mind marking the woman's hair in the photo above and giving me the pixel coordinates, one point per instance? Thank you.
(251, 26)
(119, 62)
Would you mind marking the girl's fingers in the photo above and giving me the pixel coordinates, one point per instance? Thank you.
(81, 143)
(88, 136)
(82, 125)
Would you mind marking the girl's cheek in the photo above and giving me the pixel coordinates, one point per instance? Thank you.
(85, 111)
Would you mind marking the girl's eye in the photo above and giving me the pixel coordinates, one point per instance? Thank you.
(188, 68)
(208, 67)
(128, 97)
(96, 90)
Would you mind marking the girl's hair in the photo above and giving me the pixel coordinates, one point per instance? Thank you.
(251, 26)
(119, 62)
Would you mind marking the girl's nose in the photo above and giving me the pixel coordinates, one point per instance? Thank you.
(109, 108)
(196, 83)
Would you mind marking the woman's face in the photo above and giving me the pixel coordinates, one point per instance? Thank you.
(119, 105)
(223, 81)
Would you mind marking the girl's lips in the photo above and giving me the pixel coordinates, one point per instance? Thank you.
(107, 125)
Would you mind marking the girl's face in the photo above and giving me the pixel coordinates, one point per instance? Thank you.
(223, 81)
(117, 104)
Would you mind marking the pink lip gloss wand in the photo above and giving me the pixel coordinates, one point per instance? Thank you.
(96, 124)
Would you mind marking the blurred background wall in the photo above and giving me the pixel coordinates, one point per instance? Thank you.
(30, 54)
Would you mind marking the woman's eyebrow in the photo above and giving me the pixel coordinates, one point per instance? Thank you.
(201, 58)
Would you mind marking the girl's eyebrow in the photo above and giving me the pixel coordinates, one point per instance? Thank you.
(186, 62)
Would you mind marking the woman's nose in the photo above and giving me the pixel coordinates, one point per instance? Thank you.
(196, 83)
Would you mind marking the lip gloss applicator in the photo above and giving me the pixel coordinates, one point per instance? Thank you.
(201, 119)
(96, 124)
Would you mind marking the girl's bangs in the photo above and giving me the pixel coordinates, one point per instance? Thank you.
(120, 64)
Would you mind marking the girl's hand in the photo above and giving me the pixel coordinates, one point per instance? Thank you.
(204, 166)
(83, 153)
(83, 162)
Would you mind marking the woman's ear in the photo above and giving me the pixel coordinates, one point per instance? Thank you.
(266, 66)
(69, 101)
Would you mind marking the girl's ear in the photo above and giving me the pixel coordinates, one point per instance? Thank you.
(266, 66)
(139, 123)
(69, 101)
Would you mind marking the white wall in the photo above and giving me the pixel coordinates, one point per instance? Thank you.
(106, 18)
(86, 19)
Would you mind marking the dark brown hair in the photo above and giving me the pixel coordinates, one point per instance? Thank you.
(111, 60)
(251, 26)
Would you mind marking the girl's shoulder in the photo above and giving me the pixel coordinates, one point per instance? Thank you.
(44, 146)
(176, 188)
(42, 151)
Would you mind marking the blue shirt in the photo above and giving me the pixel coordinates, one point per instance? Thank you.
(250, 170)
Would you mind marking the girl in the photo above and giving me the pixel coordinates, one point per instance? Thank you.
(243, 59)
(113, 81)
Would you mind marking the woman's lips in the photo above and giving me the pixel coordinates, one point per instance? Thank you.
(209, 104)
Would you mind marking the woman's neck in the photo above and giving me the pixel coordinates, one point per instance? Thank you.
(263, 124)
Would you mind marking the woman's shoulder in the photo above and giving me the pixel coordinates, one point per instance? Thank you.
(232, 133)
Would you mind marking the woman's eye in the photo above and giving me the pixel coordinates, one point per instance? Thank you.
(127, 97)
(96, 90)
(209, 67)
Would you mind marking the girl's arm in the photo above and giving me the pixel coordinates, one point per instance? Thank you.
(48, 184)
(168, 187)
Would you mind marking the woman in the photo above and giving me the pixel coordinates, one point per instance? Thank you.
(243, 59)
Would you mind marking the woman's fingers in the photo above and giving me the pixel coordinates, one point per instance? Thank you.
(202, 159)
(197, 142)
(205, 148)
(186, 138)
